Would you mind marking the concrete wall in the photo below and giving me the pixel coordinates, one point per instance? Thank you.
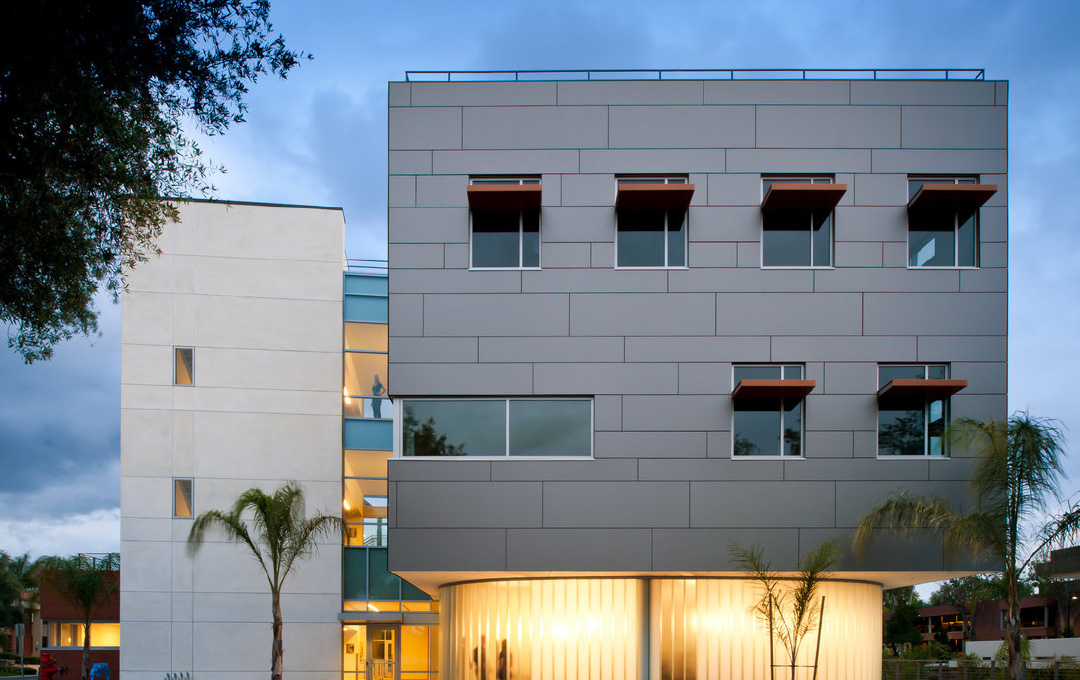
(256, 291)
(655, 348)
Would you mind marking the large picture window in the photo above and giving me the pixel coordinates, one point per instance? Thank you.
(912, 423)
(768, 421)
(651, 232)
(496, 427)
(505, 230)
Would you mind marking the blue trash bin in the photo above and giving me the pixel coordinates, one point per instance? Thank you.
(99, 671)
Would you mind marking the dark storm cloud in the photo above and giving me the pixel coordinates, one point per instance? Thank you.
(60, 425)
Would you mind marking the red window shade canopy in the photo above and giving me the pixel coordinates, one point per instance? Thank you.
(504, 196)
(908, 390)
(787, 196)
(951, 196)
(772, 389)
(653, 196)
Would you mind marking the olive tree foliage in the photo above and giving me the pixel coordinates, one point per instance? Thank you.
(94, 100)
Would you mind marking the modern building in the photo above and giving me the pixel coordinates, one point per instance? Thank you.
(247, 349)
(636, 323)
(632, 324)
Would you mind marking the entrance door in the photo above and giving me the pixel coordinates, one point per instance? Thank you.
(382, 643)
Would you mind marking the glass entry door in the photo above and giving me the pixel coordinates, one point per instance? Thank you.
(382, 644)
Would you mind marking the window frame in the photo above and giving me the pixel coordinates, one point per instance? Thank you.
(510, 181)
(177, 481)
(399, 425)
(346, 395)
(177, 349)
(47, 626)
(654, 179)
(977, 227)
(946, 416)
(799, 179)
(802, 420)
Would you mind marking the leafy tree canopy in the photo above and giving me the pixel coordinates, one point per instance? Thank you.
(93, 98)
(902, 628)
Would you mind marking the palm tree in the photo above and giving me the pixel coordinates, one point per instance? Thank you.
(791, 611)
(1016, 477)
(85, 582)
(278, 533)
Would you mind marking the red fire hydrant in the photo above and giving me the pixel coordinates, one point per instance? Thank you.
(48, 669)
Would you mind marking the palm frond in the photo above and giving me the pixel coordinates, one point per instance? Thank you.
(904, 513)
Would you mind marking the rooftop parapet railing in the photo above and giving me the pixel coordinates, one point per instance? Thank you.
(361, 266)
(702, 74)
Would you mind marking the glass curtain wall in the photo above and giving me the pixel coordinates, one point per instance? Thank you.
(372, 649)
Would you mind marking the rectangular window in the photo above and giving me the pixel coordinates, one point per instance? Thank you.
(651, 236)
(796, 235)
(70, 634)
(497, 427)
(768, 425)
(364, 393)
(912, 425)
(945, 233)
(182, 498)
(505, 232)
(184, 366)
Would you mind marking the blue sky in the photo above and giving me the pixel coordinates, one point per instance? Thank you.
(320, 138)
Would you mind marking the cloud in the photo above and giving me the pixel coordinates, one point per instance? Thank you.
(60, 425)
(93, 532)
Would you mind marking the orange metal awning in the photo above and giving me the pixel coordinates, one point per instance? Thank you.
(951, 196)
(786, 196)
(504, 196)
(653, 196)
(914, 389)
(772, 389)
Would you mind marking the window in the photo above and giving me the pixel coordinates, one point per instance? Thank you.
(497, 427)
(943, 220)
(182, 498)
(70, 634)
(913, 408)
(364, 393)
(505, 223)
(768, 410)
(797, 221)
(184, 366)
(364, 497)
(651, 217)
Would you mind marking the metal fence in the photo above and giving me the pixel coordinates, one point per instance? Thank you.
(963, 669)
(704, 74)
(359, 266)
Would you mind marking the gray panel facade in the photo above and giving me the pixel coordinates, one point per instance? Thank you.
(654, 348)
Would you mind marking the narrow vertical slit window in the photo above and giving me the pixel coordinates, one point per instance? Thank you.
(182, 498)
(184, 366)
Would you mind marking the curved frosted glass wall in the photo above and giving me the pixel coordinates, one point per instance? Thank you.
(662, 629)
(544, 629)
(706, 628)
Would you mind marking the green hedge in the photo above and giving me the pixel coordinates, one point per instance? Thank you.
(15, 657)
